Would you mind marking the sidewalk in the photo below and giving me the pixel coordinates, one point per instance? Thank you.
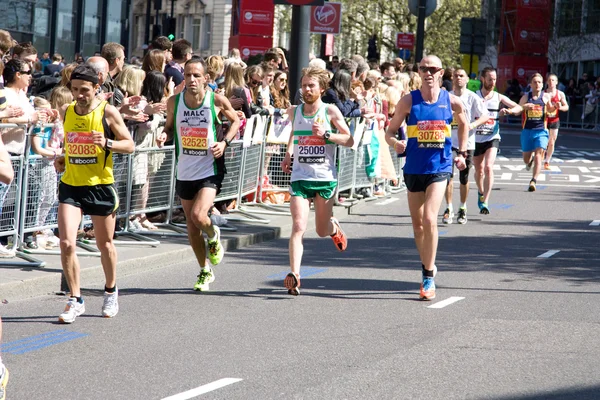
(20, 282)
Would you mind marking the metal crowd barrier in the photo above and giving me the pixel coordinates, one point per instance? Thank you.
(145, 182)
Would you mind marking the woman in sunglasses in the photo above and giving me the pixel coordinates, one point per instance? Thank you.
(254, 78)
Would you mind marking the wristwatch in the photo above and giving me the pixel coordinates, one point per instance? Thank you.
(327, 135)
(227, 142)
(109, 144)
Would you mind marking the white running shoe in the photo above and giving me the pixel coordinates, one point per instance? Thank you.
(136, 226)
(72, 311)
(110, 307)
(6, 253)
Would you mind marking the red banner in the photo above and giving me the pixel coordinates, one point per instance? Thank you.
(405, 40)
(300, 2)
(250, 45)
(252, 18)
(519, 67)
(326, 19)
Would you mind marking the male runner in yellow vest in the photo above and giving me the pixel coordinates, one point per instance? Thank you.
(192, 120)
(93, 131)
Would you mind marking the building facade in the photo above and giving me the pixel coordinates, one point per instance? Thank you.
(204, 23)
(574, 46)
(66, 26)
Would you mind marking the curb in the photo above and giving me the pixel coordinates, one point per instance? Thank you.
(51, 284)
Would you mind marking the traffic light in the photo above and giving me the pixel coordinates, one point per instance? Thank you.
(156, 31)
(170, 25)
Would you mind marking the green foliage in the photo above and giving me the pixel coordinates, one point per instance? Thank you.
(361, 19)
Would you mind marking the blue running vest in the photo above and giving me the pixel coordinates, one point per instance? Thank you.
(429, 145)
(536, 118)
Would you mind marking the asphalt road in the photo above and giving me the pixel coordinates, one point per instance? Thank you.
(510, 324)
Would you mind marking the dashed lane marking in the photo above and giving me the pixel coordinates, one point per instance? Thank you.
(386, 202)
(548, 254)
(595, 222)
(447, 302)
(190, 394)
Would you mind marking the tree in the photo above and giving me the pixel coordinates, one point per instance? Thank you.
(387, 17)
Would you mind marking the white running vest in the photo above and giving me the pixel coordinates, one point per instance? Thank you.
(474, 108)
(491, 129)
(195, 133)
(314, 157)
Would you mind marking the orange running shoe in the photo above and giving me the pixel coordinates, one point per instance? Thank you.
(339, 237)
(292, 284)
(546, 165)
(427, 289)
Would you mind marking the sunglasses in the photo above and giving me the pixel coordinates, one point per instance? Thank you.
(282, 80)
(254, 83)
(431, 70)
(25, 72)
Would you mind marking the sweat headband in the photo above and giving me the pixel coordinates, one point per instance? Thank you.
(85, 77)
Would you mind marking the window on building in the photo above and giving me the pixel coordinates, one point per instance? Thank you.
(592, 16)
(197, 33)
(569, 17)
(91, 26)
(18, 15)
(66, 28)
(206, 36)
(116, 10)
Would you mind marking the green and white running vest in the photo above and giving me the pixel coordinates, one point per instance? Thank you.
(195, 133)
(314, 157)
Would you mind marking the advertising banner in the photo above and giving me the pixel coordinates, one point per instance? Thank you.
(326, 19)
(252, 18)
(519, 67)
(250, 45)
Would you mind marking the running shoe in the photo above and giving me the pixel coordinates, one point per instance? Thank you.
(205, 278)
(73, 310)
(110, 307)
(529, 165)
(3, 382)
(547, 166)
(427, 288)
(215, 248)
(448, 216)
(480, 200)
(6, 252)
(485, 210)
(292, 284)
(462, 216)
(531, 186)
(339, 237)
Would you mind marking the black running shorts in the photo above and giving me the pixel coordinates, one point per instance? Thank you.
(101, 200)
(187, 189)
(420, 182)
(481, 148)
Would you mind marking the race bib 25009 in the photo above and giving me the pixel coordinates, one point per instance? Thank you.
(311, 150)
(194, 141)
(81, 148)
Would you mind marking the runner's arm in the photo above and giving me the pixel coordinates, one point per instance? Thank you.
(123, 143)
(478, 108)
(564, 106)
(170, 122)
(401, 112)
(286, 163)
(343, 137)
(515, 109)
(463, 124)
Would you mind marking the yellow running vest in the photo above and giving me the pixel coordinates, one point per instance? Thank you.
(86, 163)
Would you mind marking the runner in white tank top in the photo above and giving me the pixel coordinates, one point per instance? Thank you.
(192, 120)
(314, 173)
(477, 115)
(487, 137)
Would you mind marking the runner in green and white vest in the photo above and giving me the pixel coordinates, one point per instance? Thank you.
(314, 173)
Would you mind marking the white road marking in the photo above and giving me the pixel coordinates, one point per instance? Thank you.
(548, 254)
(548, 184)
(203, 389)
(595, 222)
(386, 202)
(447, 302)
